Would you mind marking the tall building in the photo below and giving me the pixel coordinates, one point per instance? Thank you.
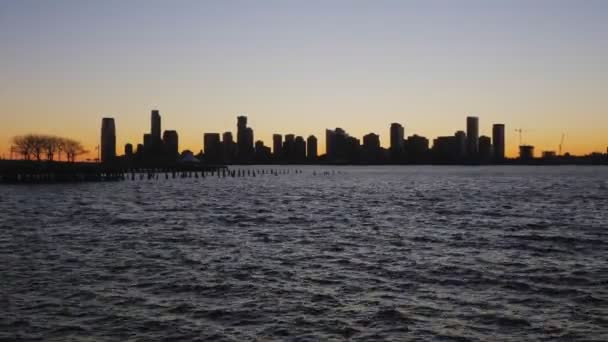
(337, 145)
(128, 151)
(108, 140)
(277, 146)
(262, 152)
(229, 148)
(147, 142)
(498, 142)
(300, 149)
(244, 140)
(417, 148)
(526, 153)
(213, 148)
(485, 149)
(460, 151)
(397, 142)
(371, 151)
(289, 147)
(472, 137)
(155, 126)
(171, 143)
(311, 147)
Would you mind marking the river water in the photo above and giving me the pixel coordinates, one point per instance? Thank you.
(360, 253)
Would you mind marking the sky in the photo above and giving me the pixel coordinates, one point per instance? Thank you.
(303, 66)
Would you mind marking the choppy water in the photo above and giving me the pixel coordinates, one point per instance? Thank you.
(410, 253)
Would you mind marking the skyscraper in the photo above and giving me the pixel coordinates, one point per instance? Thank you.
(229, 148)
(108, 140)
(171, 143)
(498, 140)
(212, 147)
(128, 151)
(289, 147)
(155, 127)
(371, 152)
(311, 146)
(460, 149)
(300, 149)
(397, 136)
(277, 146)
(485, 149)
(244, 140)
(472, 137)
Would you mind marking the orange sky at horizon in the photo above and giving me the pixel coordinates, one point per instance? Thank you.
(303, 67)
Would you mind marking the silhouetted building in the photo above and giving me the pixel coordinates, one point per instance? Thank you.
(213, 147)
(445, 149)
(300, 149)
(498, 142)
(397, 142)
(155, 126)
(229, 148)
(485, 149)
(277, 146)
(262, 153)
(244, 140)
(171, 145)
(460, 153)
(128, 151)
(353, 150)
(472, 137)
(289, 148)
(311, 146)
(108, 140)
(147, 143)
(549, 155)
(139, 152)
(370, 151)
(417, 149)
(526, 153)
(337, 149)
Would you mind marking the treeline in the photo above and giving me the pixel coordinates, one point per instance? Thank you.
(45, 147)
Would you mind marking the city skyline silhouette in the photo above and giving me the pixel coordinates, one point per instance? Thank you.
(302, 68)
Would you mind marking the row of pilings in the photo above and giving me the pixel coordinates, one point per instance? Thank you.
(154, 174)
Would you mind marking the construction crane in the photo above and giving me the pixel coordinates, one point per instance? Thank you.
(520, 131)
(561, 144)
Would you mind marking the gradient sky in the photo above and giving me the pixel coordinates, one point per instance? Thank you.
(303, 66)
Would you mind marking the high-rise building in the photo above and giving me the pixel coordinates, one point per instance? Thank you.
(213, 148)
(262, 152)
(472, 137)
(526, 153)
(460, 151)
(498, 141)
(370, 151)
(147, 143)
(155, 127)
(128, 151)
(397, 142)
(336, 143)
(277, 146)
(311, 147)
(417, 148)
(229, 148)
(289, 147)
(446, 149)
(244, 140)
(108, 140)
(300, 149)
(485, 149)
(171, 143)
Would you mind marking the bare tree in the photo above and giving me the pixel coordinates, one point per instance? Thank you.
(73, 149)
(34, 146)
